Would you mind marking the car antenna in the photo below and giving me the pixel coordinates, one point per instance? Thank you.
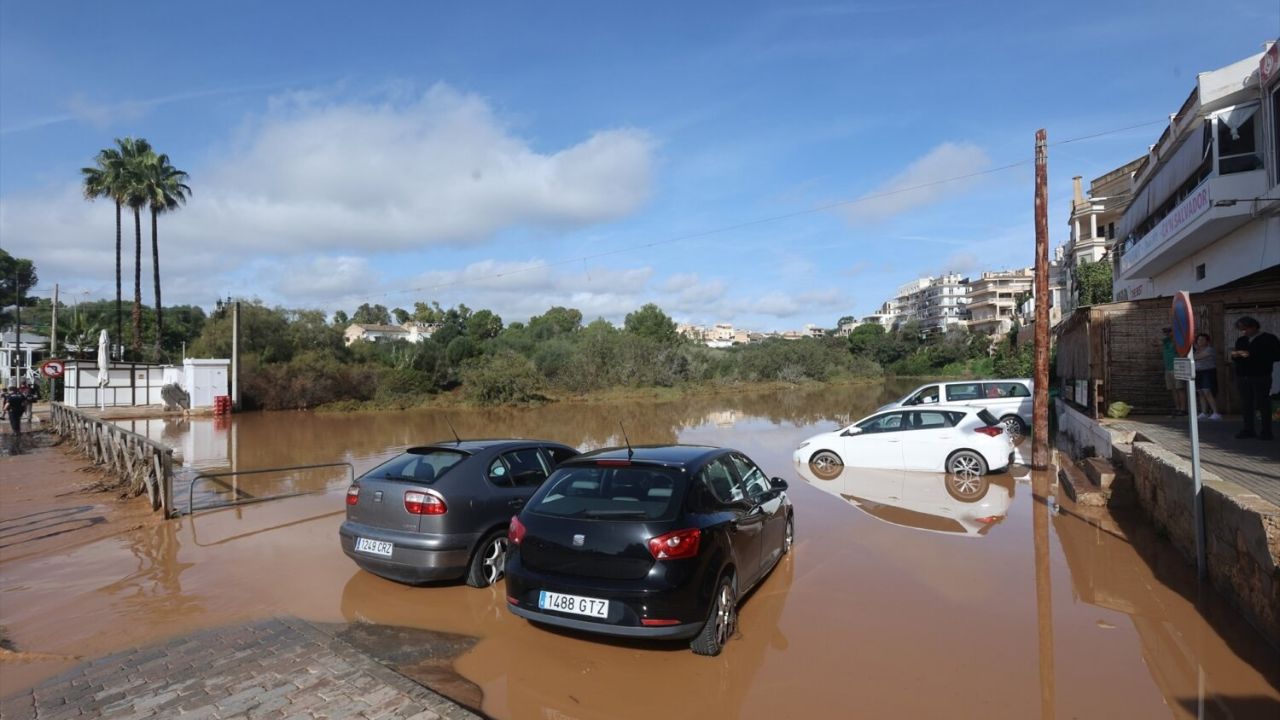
(630, 452)
(455, 432)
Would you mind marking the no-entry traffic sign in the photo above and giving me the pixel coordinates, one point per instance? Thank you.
(1183, 323)
(52, 368)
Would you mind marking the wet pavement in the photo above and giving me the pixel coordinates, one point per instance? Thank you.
(278, 668)
(905, 597)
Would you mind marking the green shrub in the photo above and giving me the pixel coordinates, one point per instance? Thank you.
(502, 378)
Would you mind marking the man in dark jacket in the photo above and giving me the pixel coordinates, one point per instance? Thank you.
(1254, 354)
(14, 405)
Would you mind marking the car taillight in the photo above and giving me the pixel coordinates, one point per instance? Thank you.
(675, 545)
(420, 503)
(990, 430)
(353, 494)
(515, 531)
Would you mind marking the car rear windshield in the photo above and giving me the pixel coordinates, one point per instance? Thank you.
(632, 492)
(985, 416)
(418, 465)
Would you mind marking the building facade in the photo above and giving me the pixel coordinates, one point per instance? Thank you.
(994, 298)
(1093, 223)
(1204, 209)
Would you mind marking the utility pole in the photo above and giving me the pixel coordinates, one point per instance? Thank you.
(17, 328)
(1040, 403)
(235, 355)
(53, 340)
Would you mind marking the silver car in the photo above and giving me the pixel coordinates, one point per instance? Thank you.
(1009, 400)
(440, 512)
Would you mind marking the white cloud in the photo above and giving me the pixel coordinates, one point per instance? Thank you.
(439, 170)
(346, 179)
(920, 184)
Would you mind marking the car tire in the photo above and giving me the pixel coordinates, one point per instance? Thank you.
(826, 465)
(789, 537)
(721, 621)
(966, 462)
(488, 560)
(1014, 425)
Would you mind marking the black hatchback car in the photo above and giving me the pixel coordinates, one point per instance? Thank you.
(650, 542)
(441, 512)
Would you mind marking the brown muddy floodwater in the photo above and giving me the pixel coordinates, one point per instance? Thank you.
(900, 600)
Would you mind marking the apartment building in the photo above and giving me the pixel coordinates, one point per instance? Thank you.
(1205, 202)
(994, 298)
(1093, 223)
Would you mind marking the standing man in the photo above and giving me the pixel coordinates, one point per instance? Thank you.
(15, 405)
(1253, 356)
(1179, 388)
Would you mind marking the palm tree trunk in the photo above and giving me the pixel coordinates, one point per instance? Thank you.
(119, 302)
(136, 343)
(155, 265)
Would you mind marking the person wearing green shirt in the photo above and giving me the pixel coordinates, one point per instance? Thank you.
(1172, 384)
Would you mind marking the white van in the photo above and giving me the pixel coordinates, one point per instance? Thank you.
(1008, 400)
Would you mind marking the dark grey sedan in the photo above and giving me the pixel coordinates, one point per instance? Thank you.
(440, 512)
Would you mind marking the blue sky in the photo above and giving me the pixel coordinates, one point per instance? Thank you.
(595, 155)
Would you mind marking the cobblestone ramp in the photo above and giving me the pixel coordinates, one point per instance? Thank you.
(281, 668)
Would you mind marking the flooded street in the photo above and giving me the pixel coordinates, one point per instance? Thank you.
(906, 596)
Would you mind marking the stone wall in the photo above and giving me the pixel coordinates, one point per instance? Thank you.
(1242, 541)
(1084, 432)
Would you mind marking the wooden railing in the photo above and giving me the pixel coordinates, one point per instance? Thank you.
(143, 464)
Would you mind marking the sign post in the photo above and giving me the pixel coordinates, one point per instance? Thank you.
(1183, 322)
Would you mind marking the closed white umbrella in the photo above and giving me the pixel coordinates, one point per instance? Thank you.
(104, 361)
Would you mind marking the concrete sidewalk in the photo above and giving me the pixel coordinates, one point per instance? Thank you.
(281, 668)
(1251, 463)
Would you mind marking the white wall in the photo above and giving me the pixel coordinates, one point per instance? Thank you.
(1253, 247)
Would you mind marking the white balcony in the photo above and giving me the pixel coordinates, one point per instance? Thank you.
(1218, 206)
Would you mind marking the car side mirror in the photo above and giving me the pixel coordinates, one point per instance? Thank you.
(851, 431)
(777, 483)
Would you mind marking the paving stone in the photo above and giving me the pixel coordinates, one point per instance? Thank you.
(270, 669)
(1250, 463)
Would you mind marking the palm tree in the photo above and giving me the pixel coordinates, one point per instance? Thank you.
(105, 180)
(136, 154)
(165, 189)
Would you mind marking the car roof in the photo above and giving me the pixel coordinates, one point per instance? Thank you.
(479, 445)
(683, 456)
(975, 380)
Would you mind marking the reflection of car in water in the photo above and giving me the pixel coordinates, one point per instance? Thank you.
(967, 505)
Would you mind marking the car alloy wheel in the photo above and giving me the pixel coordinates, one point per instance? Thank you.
(489, 562)
(721, 623)
(1014, 425)
(966, 462)
(790, 538)
(826, 464)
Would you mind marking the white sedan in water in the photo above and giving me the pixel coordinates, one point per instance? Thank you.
(959, 439)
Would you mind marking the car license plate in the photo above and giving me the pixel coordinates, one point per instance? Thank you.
(376, 547)
(573, 604)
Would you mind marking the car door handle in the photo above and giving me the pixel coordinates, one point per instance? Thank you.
(518, 502)
(892, 441)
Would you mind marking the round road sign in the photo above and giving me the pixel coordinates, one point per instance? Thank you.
(52, 368)
(1183, 322)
